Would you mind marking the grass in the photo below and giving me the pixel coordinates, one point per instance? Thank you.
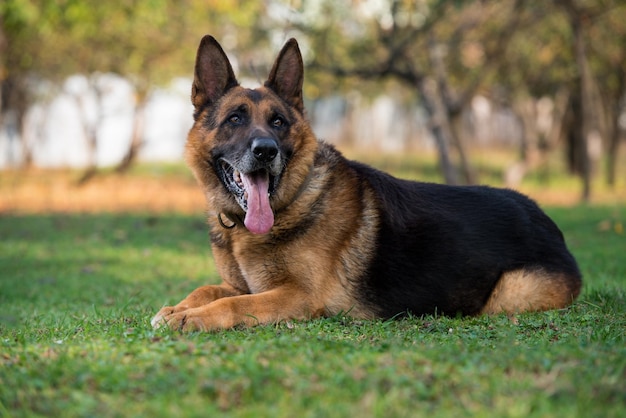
(77, 292)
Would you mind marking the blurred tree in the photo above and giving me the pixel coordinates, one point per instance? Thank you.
(516, 51)
(584, 105)
(16, 18)
(607, 44)
(537, 64)
(594, 115)
(148, 42)
(160, 37)
(570, 48)
(444, 51)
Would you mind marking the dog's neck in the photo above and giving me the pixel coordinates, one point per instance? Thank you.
(232, 220)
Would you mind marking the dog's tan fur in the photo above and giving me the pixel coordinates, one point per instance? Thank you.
(521, 290)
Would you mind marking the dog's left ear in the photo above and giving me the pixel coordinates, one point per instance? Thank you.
(213, 75)
(287, 75)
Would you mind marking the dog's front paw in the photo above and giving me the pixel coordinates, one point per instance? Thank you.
(165, 318)
(184, 320)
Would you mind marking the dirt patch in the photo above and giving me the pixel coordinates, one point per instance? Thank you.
(37, 191)
(41, 191)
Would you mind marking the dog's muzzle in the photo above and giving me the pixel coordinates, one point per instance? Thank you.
(252, 179)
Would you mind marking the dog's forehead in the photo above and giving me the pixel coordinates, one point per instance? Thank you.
(259, 95)
(254, 94)
(261, 98)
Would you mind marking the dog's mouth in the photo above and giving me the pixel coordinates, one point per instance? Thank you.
(252, 191)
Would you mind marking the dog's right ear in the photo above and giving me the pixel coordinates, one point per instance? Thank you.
(287, 75)
(213, 74)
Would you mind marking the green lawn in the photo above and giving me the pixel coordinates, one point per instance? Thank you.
(77, 293)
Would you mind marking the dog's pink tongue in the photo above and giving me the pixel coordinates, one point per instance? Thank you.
(259, 217)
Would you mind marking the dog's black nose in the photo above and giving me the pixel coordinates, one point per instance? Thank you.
(264, 149)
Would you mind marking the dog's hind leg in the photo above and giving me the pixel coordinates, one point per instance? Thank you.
(532, 290)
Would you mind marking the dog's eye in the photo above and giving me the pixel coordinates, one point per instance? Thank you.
(278, 122)
(234, 119)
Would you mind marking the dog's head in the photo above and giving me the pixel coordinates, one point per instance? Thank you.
(251, 149)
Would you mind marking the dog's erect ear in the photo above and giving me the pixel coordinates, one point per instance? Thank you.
(213, 74)
(287, 75)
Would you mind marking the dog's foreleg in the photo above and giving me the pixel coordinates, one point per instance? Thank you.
(199, 297)
(249, 310)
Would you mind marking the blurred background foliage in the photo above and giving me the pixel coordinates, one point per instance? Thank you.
(439, 55)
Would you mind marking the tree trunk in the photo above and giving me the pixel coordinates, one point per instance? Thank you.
(586, 111)
(589, 133)
(136, 141)
(448, 117)
(91, 138)
(13, 107)
(525, 110)
(90, 129)
(469, 174)
(559, 113)
(615, 136)
(439, 126)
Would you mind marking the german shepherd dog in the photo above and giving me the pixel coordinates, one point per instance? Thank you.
(298, 231)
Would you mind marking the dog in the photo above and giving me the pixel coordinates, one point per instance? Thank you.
(298, 231)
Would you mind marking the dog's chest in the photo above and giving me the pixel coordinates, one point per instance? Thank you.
(263, 267)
